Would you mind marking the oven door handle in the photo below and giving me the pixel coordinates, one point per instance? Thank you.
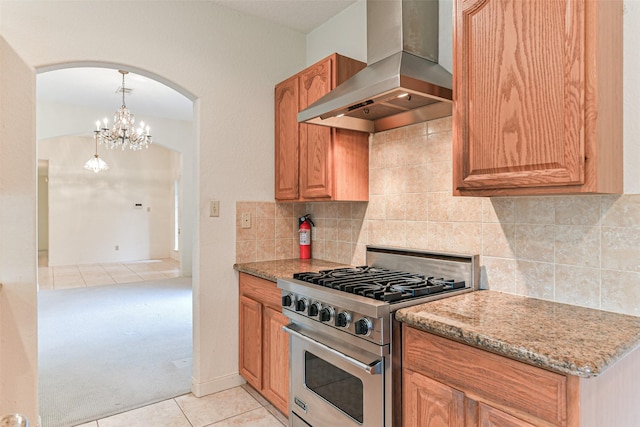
(373, 369)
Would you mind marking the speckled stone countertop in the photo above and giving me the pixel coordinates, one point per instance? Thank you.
(272, 270)
(564, 338)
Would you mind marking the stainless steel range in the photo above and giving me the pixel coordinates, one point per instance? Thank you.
(344, 340)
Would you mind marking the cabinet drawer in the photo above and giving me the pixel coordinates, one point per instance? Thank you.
(523, 390)
(262, 290)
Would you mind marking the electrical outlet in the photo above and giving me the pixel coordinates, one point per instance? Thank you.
(214, 208)
(246, 220)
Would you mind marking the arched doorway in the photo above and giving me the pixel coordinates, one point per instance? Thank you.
(128, 205)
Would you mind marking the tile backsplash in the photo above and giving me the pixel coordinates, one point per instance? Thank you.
(581, 250)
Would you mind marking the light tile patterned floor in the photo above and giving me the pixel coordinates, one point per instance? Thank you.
(73, 276)
(236, 407)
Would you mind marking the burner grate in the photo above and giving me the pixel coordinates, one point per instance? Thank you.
(379, 283)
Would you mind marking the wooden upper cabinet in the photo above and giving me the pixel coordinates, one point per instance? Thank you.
(537, 97)
(317, 162)
(286, 142)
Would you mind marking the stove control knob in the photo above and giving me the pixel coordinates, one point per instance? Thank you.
(363, 326)
(326, 314)
(343, 319)
(301, 304)
(287, 300)
(314, 309)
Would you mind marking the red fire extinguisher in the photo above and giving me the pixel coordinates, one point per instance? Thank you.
(305, 236)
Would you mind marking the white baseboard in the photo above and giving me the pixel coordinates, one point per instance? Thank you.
(216, 385)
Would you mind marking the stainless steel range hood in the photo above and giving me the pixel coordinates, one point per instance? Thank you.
(402, 84)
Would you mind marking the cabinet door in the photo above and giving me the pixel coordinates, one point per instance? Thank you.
(316, 144)
(276, 359)
(492, 417)
(429, 403)
(286, 140)
(526, 109)
(250, 359)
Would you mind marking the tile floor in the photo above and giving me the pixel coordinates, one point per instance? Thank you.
(73, 276)
(239, 406)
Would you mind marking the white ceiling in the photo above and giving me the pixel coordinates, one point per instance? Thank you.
(97, 87)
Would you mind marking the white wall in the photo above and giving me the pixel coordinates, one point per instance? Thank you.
(55, 119)
(230, 63)
(345, 33)
(92, 213)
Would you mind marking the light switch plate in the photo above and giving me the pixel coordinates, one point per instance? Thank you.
(214, 208)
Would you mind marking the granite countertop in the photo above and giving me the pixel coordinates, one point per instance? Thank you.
(272, 270)
(564, 338)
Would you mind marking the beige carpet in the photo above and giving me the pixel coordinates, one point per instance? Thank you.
(109, 349)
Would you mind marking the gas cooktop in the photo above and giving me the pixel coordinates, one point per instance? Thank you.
(380, 283)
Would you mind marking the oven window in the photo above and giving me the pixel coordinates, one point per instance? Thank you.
(340, 388)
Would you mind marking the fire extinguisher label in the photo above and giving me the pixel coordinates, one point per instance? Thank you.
(305, 237)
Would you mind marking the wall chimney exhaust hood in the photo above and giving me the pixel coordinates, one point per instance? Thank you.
(402, 84)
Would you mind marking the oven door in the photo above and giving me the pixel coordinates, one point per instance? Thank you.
(333, 384)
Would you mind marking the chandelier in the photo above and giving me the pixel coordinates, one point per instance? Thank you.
(96, 164)
(123, 133)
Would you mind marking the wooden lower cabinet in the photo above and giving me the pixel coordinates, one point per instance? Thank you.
(275, 358)
(448, 384)
(430, 403)
(263, 345)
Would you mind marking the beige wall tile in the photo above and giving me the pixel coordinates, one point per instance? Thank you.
(621, 292)
(358, 210)
(621, 248)
(460, 237)
(535, 242)
(417, 207)
(330, 229)
(535, 210)
(417, 131)
(286, 248)
(395, 206)
(265, 228)
(439, 125)
(417, 179)
(266, 210)
(440, 147)
(266, 250)
(417, 151)
(620, 211)
(440, 177)
(378, 180)
(498, 240)
(317, 250)
(498, 209)
(418, 234)
(535, 279)
(344, 252)
(498, 274)
(377, 207)
(284, 210)
(443, 207)
(577, 245)
(344, 229)
(285, 227)
(578, 210)
(578, 285)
